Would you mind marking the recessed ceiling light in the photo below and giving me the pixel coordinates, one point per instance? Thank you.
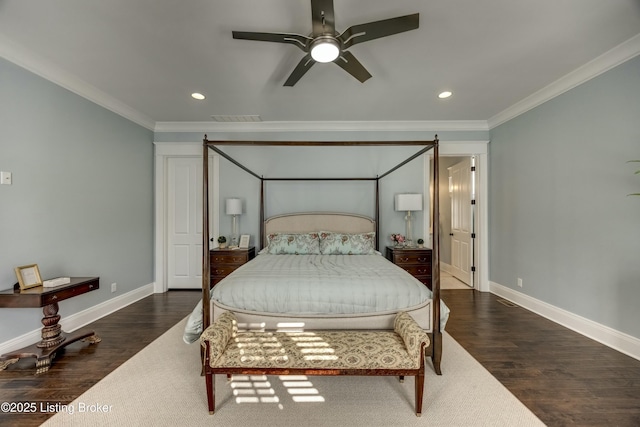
(197, 95)
(445, 94)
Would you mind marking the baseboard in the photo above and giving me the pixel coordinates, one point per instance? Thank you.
(617, 340)
(82, 318)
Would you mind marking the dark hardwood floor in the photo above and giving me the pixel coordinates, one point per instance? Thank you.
(563, 377)
(560, 375)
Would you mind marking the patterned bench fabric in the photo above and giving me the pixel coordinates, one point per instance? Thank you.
(412, 334)
(218, 334)
(316, 349)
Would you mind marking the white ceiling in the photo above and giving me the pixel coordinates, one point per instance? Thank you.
(144, 58)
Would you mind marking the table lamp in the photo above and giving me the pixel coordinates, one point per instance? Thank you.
(408, 203)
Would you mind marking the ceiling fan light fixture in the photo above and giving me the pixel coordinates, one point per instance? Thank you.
(325, 49)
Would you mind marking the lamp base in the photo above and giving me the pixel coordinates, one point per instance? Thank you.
(408, 242)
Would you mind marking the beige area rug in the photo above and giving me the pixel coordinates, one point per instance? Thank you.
(162, 386)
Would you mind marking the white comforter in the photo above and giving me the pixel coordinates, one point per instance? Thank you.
(320, 284)
(316, 284)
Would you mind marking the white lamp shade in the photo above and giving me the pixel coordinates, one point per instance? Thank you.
(408, 202)
(234, 207)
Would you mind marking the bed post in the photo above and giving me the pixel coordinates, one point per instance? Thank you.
(262, 207)
(206, 266)
(435, 262)
(377, 213)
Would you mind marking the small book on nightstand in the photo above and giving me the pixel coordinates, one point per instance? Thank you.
(58, 281)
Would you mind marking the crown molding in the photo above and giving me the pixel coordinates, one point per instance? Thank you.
(325, 126)
(17, 54)
(614, 57)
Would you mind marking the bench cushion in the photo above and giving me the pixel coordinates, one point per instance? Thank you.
(399, 349)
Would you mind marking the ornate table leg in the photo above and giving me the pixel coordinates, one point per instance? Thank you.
(53, 339)
(51, 336)
(92, 339)
(7, 362)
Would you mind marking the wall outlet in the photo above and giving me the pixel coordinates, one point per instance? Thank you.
(519, 282)
(5, 178)
(114, 287)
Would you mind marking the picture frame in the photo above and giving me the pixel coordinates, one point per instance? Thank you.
(28, 276)
(244, 241)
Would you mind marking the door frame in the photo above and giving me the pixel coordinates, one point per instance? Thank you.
(162, 152)
(479, 149)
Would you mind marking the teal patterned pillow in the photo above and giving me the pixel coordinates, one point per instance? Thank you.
(298, 244)
(347, 244)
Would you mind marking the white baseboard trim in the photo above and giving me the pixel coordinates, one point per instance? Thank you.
(617, 340)
(82, 318)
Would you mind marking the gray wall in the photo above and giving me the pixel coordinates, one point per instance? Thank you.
(337, 196)
(560, 218)
(81, 203)
(323, 162)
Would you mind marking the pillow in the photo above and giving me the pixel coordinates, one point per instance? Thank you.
(347, 244)
(298, 244)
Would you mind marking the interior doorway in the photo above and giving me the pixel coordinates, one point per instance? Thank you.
(457, 222)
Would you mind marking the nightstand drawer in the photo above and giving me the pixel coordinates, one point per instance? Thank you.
(412, 258)
(225, 261)
(416, 269)
(239, 258)
(416, 261)
(222, 270)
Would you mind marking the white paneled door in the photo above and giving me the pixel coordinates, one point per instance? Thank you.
(184, 223)
(461, 220)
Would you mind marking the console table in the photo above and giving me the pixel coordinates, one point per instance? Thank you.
(53, 338)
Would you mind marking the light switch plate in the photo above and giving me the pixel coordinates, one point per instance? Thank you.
(5, 178)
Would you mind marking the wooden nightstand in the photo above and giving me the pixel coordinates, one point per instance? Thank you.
(224, 261)
(416, 261)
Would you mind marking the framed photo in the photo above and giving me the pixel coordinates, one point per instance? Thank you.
(28, 276)
(244, 241)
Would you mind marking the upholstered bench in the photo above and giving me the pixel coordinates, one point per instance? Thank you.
(355, 352)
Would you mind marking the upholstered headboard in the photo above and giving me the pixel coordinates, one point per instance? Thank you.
(319, 221)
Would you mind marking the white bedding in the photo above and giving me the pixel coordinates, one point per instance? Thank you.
(316, 284)
(320, 284)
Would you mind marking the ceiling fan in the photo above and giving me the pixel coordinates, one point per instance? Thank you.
(325, 44)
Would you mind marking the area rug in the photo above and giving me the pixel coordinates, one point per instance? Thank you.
(162, 386)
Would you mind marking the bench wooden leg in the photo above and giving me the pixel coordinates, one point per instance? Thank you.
(419, 380)
(211, 392)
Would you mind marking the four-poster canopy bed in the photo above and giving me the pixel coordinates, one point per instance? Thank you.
(317, 231)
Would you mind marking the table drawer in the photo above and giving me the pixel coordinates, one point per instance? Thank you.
(64, 294)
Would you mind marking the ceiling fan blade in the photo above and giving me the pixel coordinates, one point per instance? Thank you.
(351, 65)
(303, 66)
(295, 39)
(322, 17)
(374, 30)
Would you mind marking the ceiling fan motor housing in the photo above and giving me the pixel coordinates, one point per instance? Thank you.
(325, 48)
